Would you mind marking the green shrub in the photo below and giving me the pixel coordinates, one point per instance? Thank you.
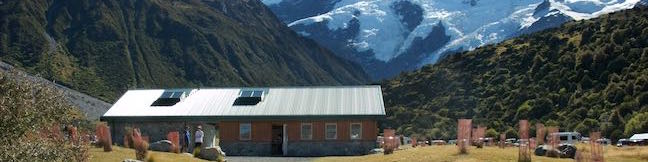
(637, 124)
(31, 117)
(196, 152)
(141, 146)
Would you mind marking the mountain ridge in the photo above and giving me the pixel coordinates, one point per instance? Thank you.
(380, 33)
(106, 47)
(587, 75)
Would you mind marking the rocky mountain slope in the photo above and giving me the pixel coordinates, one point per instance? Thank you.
(91, 107)
(388, 37)
(103, 47)
(584, 76)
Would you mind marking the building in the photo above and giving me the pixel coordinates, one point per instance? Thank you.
(289, 121)
(637, 139)
(641, 136)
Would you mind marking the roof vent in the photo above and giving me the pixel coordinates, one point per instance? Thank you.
(249, 97)
(170, 98)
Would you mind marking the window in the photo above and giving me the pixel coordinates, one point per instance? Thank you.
(169, 98)
(166, 95)
(331, 131)
(564, 138)
(257, 93)
(306, 131)
(246, 94)
(249, 97)
(356, 131)
(251, 93)
(245, 131)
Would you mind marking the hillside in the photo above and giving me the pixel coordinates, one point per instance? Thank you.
(104, 47)
(585, 75)
(91, 107)
(389, 37)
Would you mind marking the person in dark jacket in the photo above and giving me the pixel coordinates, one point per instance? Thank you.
(187, 139)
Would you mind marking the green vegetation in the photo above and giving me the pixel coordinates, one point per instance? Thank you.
(449, 153)
(103, 48)
(31, 117)
(121, 153)
(584, 76)
(637, 124)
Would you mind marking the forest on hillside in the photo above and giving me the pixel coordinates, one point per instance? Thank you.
(588, 75)
(103, 48)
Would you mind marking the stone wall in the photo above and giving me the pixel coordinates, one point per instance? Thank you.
(157, 131)
(329, 148)
(246, 148)
(299, 148)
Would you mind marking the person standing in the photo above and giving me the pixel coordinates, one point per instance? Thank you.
(187, 139)
(199, 137)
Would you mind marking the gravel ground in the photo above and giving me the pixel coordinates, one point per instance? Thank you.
(267, 159)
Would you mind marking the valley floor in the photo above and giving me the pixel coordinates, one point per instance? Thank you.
(121, 153)
(446, 153)
(449, 153)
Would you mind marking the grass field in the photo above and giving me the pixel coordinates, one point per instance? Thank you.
(120, 153)
(431, 153)
(449, 153)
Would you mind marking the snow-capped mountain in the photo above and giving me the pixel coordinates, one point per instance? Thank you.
(391, 36)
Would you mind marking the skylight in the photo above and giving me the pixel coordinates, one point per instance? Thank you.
(251, 93)
(249, 97)
(169, 98)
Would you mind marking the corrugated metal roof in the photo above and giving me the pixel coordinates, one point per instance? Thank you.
(641, 136)
(278, 101)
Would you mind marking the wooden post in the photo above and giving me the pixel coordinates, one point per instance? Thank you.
(502, 141)
(464, 127)
(524, 155)
(597, 149)
(554, 140)
(540, 133)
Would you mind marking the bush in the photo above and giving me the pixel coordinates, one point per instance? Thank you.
(196, 152)
(128, 137)
(141, 146)
(31, 117)
(103, 135)
(174, 137)
(637, 124)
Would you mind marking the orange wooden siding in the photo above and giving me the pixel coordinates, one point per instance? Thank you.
(262, 130)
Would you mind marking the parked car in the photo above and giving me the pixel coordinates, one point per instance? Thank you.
(568, 137)
(452, 142)
(511, 142)
(604, 141)
(565, 149)
(438, 142)
(629, 142)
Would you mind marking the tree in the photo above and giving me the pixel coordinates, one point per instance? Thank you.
(637, 124)
(29, 110)
(492, 133)
(511, 133)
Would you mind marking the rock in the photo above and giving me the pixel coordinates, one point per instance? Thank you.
(131, 160)
(212, 153)
(163, 145)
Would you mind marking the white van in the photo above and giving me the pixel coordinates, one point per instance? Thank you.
(567, 137)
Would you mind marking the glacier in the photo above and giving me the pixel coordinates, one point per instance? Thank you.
(384, 34)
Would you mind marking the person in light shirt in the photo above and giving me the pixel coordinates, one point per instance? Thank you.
(199, 136)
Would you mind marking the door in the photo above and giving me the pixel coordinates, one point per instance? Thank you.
(285, 140)
(277, 140)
